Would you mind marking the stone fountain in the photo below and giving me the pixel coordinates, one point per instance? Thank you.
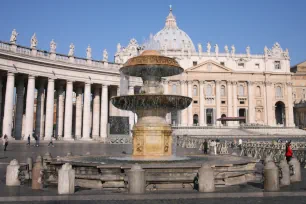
(152, 135)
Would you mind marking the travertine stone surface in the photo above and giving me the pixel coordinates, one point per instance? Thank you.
(206, 179)
(271, 175)
(66, 179)
(12, 171)
(136, 179)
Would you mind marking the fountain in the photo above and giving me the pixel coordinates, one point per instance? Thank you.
(152, 138)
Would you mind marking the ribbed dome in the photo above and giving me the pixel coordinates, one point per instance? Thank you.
(172, 37)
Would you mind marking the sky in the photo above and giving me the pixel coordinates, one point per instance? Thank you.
(102, 24)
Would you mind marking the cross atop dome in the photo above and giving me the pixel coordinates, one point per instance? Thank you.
(170, 20)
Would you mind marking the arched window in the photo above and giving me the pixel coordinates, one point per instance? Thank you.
(174, 89)
(278, 91)
(241, 90)
(208, 90)
(195, 90)
(258, 91)
(222, 90)
(195, 119)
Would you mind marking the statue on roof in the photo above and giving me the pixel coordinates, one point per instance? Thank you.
(34, 41)
(88, 52)
(226, 49)
(13, 38)
(71, 50)
(286, 54)
(105, 55)
(118, 47)
(217, 49)
(208, 48)
(200, 47)
(248, 51)
(52, 46)
(233, 50)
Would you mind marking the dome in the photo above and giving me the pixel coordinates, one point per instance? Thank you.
(173, 38)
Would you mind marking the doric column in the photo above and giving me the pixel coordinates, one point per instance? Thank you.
(40, 108)
(235, 111)
(251, 112)
(184, 116)
(8, 106)
(229, 101)
(96, 113)
(189, 109)
(49, 110)
(60, 111)
(68, 111)
(202, 100)
(270, 107)
(86, 112)
(290, 120)
(78, 113)
(131, 113)
(218, 101)
(30, 107)
(104, 112)
(1, 98)
(19, 108)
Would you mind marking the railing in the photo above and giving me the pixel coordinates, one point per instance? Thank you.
(4, 46)
(62, 58)
(23, 50)
(43, 54)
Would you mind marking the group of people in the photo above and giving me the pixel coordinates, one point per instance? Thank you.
(36, 137)
(211, 144)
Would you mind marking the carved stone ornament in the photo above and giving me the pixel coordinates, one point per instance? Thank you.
(268, 83)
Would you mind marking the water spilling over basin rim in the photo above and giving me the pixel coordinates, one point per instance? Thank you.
(153, 101)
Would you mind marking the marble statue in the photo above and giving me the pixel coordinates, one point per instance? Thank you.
(216, 49)
(105, 55)
(200, 48)
(286, 54)
(88, 52)
(208, 47)
(248, 51)
(52, 46)
(233, 50)
(71, 50)
(226, 49)
(13, 38)
(266, 51)
(34, 41)
(118, 47)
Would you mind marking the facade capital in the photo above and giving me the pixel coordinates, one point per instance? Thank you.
(229, 82)
(234, 82)
(250, 83)
(183, 82)
(218, 81)
(268, 83)
(189, 82)
(202, 82)
(104, 85)
(289, 83)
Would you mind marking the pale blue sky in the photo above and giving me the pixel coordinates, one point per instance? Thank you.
(103, 24)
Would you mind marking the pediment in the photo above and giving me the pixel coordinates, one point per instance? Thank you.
(209, 66)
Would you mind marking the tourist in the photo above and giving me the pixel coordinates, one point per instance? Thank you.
(51, 142)
(289, 152)
(213, 146)
(29, 140)
(205, 145)
(5, 142)
(240, 143)
(36, 141)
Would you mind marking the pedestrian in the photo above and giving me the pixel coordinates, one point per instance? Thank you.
(29, 140)
(289, 152)
(205, 145)
(36, 141)
(240, 143)
(213, 146)
(5, 142)
(51, 142)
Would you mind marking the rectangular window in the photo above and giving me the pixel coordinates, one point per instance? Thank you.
(241, 102)
(194, 63)
(277, 65)
(222, 63)
(222, 102)
(195, 102)
(241, 65)
(257, 66)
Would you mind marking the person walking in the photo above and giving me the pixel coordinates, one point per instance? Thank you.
(51, 142)
(240, 143)
(29, 140)
(289, 152)
(205, 145)
(5, 142)
(36, 141)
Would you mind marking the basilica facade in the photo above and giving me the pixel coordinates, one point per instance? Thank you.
(50, 94)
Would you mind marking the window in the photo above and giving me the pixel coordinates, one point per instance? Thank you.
(257, 66)
(241, 90)
(241, 102)
(208, 90)
(194, 63)
(195, 90)
(222, 90)
(195, 102)
(222, 63)
(277, 65)
(278, 91)
(241, 65)
(222, 102)
(258, 91)
(195, 119)
(174, 89)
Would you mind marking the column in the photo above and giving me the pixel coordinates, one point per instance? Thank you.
(229, 102)
(19, 108)
(218, 102)
(104, 112)
(60, 109)
(235, 111)
(30, 107)
(86, 112)
(166, 91)
(189, 109)
(118, 94)
(1, 98)
(49, 110)
(40, 108)
(251, 112)
(131, 113)
(270, 107)
(96, 113)
(184, 116)
(202, 101)
(78, 113)
(8, 106)
(68, 111)
(290, 119)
